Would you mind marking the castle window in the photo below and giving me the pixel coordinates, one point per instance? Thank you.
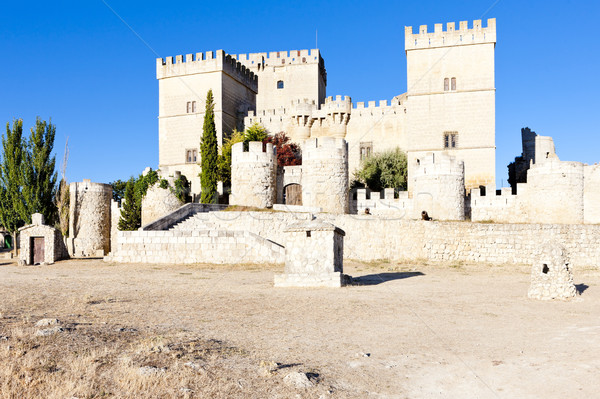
(188, 107)
(446, 84)
(280, 84)
(283, 61)
(366, 149)
(191, 155)
(303, 59)
(450, 139)
(453, 84)
(193, 106)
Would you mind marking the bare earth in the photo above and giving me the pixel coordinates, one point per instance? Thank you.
(409, 331)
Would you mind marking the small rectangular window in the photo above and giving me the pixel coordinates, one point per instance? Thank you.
(366, 149)
(193, 106)
(280, 84)
(191, 155)
(450, 139)
(453, 86)
(446, 84)
(188, 107)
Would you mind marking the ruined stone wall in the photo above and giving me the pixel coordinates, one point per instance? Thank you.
(325, 174)
(591, 194)
(158, 202)
(89, 218)
(253, 175)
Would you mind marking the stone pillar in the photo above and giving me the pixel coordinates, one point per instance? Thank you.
(314, 256)
(551, 277)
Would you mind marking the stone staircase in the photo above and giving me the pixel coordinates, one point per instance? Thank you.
(192, 223)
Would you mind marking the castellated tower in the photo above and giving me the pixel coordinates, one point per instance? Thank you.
(338, 114)
(253, 175)
(89, 219)
(325, 174)
(301, 119)
(555, 192)
(183, 82)
(451, 96)
(439, 187)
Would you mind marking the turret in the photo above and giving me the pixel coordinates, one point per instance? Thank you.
(338, 115)
(253, 173)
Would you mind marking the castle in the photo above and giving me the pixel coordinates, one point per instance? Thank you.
(449, 107)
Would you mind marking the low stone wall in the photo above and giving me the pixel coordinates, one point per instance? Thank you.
(371, 237)
(184, 247)
(157, 203)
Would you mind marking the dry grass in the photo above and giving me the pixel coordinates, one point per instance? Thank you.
(106, 361)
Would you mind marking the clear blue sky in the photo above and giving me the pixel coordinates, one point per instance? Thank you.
(77, 62)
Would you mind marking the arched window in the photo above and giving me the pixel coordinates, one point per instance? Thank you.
(446, 84)
(453, 85)
(280, 84)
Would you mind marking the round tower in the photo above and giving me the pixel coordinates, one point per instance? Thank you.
(253, 174)
(89, 218)
(555, 192)
(439, 187)
(301, 119)
(325, 174)
(338, 114)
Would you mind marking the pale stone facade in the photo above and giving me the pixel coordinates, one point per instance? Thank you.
(158, 202)
(325, 174)
(89, 219)
(449, 106)
(54, 246)
(551, 276)
(314, 256)
(253, 174)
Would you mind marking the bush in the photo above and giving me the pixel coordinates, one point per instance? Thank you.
(387, 169)
(288, 154)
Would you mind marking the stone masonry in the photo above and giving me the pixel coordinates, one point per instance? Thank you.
(551, 276)
(253, 175)
(314, 256)
(54, 246)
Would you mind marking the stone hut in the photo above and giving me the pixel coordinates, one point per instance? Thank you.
(314, 253)
(40, 243)
(551, 277)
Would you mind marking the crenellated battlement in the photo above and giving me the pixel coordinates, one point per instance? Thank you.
(438, 164)
(277, 58)
(257, 152)
(464, 35)
(330, 148)
(204, 63)
(339, 105)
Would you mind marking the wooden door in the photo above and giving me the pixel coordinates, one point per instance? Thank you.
(293, 194)
(37, 248)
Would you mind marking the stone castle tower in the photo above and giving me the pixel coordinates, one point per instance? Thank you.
(253, 174)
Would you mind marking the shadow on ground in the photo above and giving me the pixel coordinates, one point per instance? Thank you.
(581, 287)
(380, 278)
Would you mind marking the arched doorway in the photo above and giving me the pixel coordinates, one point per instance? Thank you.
(292, 194)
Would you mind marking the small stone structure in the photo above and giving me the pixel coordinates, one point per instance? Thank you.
(314, 256)
(325, 174)
(253, 175)
(551, 277)
(89, 219)
(158, 202)
(40, 243)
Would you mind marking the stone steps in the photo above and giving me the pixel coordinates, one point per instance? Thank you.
(192, 223)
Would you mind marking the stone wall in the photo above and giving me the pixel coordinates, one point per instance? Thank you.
(89, 218)
(372, 237)
(253, 175)
(591, 194)
(158, 202)
(186, 247)
(325, 174)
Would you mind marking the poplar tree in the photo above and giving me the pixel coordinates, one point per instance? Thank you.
(209, 153)
(13, 210)
(39, 174)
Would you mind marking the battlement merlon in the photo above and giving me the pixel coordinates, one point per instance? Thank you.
(205, 63)
(274, 58)
(451, 36)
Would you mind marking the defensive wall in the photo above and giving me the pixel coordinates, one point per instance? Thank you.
(369, 238)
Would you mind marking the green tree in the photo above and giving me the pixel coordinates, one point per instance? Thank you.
(118, 187)
(39, 174)
(256, 132)
(13, 209)
(225, 157)
(131, 215)
(209, 154)
(387, 169)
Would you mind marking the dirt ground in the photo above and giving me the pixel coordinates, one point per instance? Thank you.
(406, 331)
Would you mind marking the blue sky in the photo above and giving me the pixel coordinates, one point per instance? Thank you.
(77, 62)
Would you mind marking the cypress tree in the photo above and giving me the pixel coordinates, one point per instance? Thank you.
(131, 215)
(39, 175)
(13, 210)
(209, 153)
